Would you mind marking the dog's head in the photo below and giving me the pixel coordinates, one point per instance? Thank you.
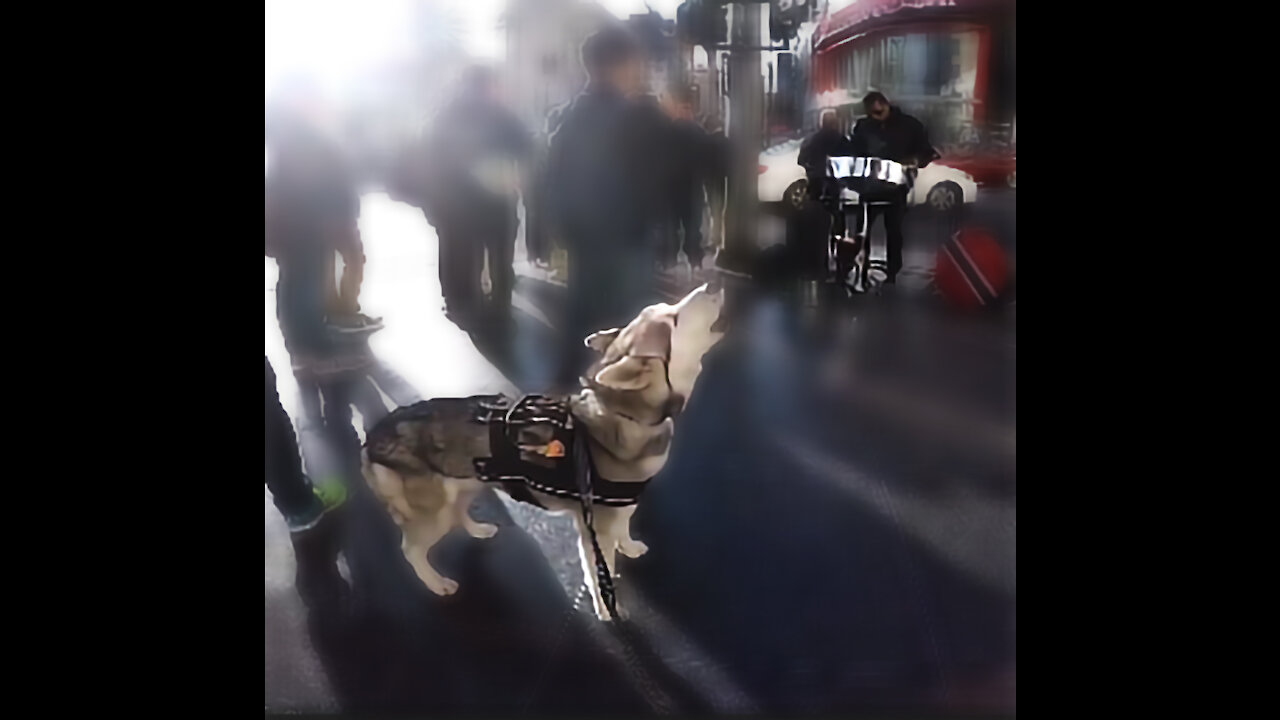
(655, 360)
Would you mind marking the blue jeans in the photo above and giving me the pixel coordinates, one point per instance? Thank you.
(301, 294)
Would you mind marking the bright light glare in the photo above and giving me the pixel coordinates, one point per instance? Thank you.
(333, 39)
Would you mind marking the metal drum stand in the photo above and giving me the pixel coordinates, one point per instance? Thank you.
(862, 180)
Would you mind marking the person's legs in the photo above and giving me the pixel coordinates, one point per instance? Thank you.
(577, 313)
(500, 241)
(300, 301)
(446, 240)
(339, 429)
(893, 215)
(290, 490)
(353, 260)
(691, 219)
(715, 197)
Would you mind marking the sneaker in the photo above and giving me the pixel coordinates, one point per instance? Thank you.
(332, 493)
(305, 519)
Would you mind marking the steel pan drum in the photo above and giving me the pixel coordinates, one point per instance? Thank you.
(870, 177)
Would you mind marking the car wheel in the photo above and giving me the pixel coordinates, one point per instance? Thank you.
(795, 194)
(945, 197)
(1013, 179)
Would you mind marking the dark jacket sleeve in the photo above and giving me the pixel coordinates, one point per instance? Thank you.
(858, 143)
(923, 150)
(807, 152)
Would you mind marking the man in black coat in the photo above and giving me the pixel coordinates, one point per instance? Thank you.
(539, 233)
(601, 177)
(473, 152)
(887, 132)
(689, 147)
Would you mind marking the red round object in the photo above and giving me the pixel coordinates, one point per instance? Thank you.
(972, 270)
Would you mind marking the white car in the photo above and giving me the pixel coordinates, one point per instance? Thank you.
(783, 183)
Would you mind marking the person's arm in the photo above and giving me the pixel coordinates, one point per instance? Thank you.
(805, 158)
(924, 150)
(858, 141)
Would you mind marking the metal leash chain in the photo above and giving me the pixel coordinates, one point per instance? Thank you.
(582, 472)
(653, 693)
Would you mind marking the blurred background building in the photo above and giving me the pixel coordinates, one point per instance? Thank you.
(950, 63)
(542, 65)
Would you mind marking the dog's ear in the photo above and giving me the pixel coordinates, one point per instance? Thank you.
(652, 340)
(628, 373)
(600, 341)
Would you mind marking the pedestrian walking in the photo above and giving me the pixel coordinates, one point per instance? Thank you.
(689, 146)
(475, 152)
(312, 213)
(602, 175)
(539, 232)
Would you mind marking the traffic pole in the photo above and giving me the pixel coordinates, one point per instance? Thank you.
(746, 118)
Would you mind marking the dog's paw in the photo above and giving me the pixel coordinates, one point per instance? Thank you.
(482, 531)
(447, 587)
(633, 549)
(436, 582)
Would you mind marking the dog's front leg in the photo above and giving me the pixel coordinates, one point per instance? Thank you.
(419, 538)
(627, 545)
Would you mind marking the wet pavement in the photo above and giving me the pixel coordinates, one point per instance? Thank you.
(834, 531)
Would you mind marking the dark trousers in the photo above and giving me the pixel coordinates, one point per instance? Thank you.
(608, 287)
(715, 202)
(464, 240)
(289, 488)
(537, 229)
(686, 225)
(499, 238)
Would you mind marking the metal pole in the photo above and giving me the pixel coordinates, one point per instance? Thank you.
(746, 114)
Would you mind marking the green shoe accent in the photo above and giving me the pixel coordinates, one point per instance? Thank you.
(332, 493)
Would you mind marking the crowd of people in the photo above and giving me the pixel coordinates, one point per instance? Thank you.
(620, 177)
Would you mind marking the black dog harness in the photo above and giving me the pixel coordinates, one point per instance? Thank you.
(547, 468)
(561, 467)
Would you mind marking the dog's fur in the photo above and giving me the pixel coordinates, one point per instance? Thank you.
(645, 372)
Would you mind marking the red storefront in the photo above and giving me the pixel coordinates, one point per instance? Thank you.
(949, 62)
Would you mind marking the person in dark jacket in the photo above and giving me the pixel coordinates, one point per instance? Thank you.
(312, 214)
(652, 132)
(474, 152)
(539, 231)
(601, 176)
(827, 142)
(688, 149)
(887, 132)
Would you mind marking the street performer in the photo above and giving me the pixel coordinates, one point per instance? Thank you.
(890, 134)
(827, 142)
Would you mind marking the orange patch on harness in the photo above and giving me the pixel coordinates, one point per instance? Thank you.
(555, 448)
